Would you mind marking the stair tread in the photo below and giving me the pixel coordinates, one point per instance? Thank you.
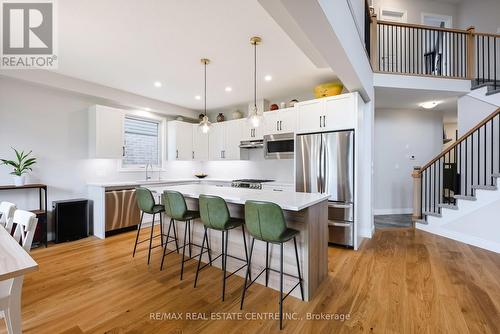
(467, 198)
(448, 206)
(484, 187)
(434, 214)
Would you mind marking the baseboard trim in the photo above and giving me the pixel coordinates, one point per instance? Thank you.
(400, 211)
(461, 237)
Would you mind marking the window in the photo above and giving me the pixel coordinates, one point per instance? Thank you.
(393, 15)
(142, 142)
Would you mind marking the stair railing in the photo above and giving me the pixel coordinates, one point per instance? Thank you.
(414, 49)
(471, 163)
(487, 67)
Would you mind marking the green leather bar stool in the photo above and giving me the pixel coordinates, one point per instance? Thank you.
(176, 209)
(146, 203)
(215, 215)
(265, 222)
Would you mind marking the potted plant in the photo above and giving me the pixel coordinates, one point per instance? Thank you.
(22, 166)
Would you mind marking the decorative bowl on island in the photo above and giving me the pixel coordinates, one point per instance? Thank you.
(201, 175)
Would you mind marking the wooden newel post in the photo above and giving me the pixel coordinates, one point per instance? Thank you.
(470, 53)
(373, 42)
(417, 194)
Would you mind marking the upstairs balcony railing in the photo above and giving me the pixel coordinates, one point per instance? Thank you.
(413, 49)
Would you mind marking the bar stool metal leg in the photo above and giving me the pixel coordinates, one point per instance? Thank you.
(161, 228)
(184, 248)
(199, 260)
(151, 237)
(246, 250)
(167, 241)
(247, 275)
(267, 263)
(224, 262)
(281, 286)
(189, 237)
(298, 268)
(138, 231)
(172, 221)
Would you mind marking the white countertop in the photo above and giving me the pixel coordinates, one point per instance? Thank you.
(153, 182)
(292, 201)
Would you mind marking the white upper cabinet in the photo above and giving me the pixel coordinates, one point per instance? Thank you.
(200, 144)
(216, 141)
(106, 132)
(252, 133)
(281, 121)
(224, 140)
(327, 114)
(233, 131)
(180, 140)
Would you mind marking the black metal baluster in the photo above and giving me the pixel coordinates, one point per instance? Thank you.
(491, 160)
(466, 166)
(482, 39)
(477, 59)
(478, 156)
(489, 70)
(379, 27)
(485, 163)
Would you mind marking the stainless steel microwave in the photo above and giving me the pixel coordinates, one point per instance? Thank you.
(279, 146)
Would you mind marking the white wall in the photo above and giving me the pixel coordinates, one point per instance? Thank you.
(399, 134)
(484, 15)
(416, 8)
(53, 124)
(471, 111)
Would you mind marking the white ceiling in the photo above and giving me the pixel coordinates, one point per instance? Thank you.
(131, 44)
(409, 99)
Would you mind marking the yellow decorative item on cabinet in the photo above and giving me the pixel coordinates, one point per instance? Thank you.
(328, 89)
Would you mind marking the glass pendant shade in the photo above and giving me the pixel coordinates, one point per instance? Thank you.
(255, 117)
(204, 125)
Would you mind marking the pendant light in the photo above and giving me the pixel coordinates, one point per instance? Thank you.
(205, 124)
(255, 116)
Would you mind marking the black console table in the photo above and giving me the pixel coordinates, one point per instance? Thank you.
(41, 212)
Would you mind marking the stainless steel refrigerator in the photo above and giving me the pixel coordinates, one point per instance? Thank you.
(325, 164)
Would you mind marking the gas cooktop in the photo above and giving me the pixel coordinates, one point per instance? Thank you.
(249, 183)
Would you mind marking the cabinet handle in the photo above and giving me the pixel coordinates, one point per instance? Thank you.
(193, 155)
(324, 121)
(281, 125)
(277, 125)
(223, 154)
(320, 118)
(177, 154)
(277, 189)
(123, 151)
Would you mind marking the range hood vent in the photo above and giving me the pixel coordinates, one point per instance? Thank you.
(252, 144)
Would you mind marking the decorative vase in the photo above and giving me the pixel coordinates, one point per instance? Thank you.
(292, 103)
(328, 89)
(237, 114)
(200, 116)
(19, 181)
(220, 117)
(274, 106)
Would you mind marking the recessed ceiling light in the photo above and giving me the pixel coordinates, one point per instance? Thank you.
(228, 89)
(157, 84)
(429, 104)
(268, 78)
(197, 97)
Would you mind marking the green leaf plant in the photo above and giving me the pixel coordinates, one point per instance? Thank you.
(23, 164)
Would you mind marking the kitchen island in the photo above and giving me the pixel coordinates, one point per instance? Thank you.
(303, 211)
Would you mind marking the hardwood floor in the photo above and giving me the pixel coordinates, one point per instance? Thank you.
(401, 281)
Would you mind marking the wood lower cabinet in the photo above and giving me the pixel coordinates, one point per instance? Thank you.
(121, 209)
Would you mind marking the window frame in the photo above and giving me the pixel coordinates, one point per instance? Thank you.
(150, 117)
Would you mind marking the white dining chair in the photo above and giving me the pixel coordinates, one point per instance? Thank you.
(10, 290)
(6, 213)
